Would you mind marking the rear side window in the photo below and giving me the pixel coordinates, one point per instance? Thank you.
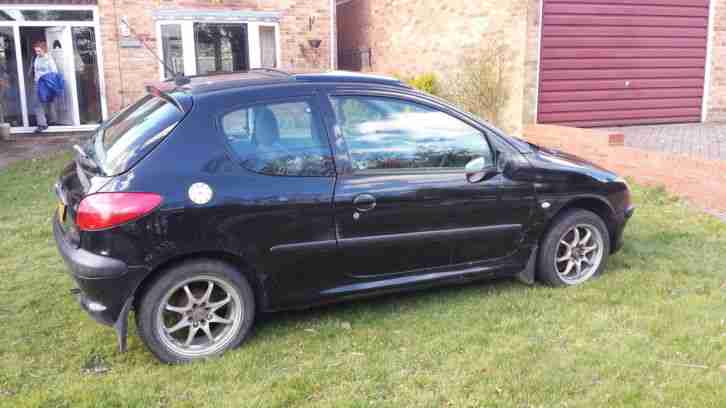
(279, 139)
(134, 132)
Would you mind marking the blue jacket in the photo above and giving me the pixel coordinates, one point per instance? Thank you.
(50, 86)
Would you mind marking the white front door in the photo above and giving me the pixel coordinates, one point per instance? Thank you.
(60, 48)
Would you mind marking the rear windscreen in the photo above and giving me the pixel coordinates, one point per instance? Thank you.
(134, 132)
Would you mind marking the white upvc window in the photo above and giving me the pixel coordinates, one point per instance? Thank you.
(198, 47)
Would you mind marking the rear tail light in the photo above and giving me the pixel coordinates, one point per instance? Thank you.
(106, 210)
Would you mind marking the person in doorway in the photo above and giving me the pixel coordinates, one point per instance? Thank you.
(42, 64)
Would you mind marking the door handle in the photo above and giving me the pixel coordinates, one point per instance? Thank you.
(364, 202)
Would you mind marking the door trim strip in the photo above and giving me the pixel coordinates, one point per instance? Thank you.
(347, 243)
(454, 233)
(314, 246)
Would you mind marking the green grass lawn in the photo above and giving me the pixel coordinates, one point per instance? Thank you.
(651, 332)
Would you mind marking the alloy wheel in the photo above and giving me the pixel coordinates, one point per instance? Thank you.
(579, 254)
(199, 316)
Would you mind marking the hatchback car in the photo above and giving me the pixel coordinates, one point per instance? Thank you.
(209, 201)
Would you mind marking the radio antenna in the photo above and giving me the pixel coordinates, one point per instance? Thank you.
(179, 78)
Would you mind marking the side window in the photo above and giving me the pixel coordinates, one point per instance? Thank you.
(384, 133)
(353, 111)
(279, 139)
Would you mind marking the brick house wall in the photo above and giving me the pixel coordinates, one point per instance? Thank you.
(128, 70)
(409, 37)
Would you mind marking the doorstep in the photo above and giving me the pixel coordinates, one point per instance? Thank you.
(53, 129)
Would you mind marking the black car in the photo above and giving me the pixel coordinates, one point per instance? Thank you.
(208, 201)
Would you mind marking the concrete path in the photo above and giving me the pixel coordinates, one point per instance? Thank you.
(32, 146)
(696, 139)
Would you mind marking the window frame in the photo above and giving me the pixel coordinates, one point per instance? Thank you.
(316, 113)
(189, 52)
(245, 55)
(258, 44)
(348, 169)
(160, 39)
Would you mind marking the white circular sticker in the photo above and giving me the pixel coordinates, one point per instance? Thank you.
(200, 193)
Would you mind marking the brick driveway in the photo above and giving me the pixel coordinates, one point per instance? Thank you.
(699, 180)
(697, 139)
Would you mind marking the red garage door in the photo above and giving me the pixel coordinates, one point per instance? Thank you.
(622, 62)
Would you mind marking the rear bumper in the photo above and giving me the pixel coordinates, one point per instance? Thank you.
(104, 283)
(617, 238)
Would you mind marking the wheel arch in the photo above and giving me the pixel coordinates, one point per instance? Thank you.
(592, 203)
(234, 260)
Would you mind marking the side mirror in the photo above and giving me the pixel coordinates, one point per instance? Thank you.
(511, 167)
(478, 170)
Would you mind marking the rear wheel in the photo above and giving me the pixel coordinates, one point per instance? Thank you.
(574, 250)
(195, 310)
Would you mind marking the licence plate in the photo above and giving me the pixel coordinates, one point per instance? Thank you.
(61, 213)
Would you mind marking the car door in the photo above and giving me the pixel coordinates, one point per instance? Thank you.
(283, 201)
(403, 203)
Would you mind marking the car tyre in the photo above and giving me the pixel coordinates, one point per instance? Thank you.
(195, 310)
(574, 249)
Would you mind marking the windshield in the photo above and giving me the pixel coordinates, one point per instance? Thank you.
(132, 133)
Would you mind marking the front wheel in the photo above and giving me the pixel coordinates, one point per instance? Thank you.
(574, 250)
(195, 310)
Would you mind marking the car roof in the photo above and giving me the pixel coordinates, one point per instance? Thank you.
(266, 76)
